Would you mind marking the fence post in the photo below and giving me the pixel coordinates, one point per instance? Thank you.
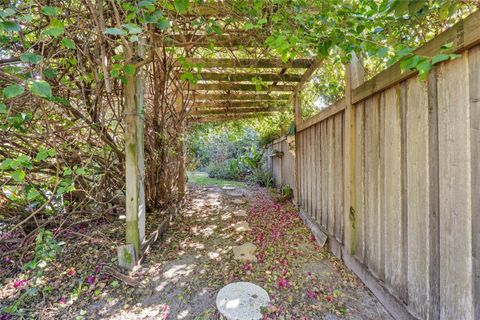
(354, 76)
(134, 157)
(181, 148)
(297, 108)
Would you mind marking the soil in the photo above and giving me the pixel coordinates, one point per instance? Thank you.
(187, 267)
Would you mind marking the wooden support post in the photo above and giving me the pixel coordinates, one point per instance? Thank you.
(134, 160)
(297, 108)
(354, 76)
(181, 149)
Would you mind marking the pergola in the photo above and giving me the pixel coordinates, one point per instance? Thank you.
(239, 79)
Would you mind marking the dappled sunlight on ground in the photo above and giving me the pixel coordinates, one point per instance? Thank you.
(195, 259)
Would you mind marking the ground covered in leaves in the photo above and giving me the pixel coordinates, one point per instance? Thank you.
(185, 269)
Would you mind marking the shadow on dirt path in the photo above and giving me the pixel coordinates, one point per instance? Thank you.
(185, 270)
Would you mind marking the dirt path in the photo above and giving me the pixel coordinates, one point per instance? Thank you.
(184, 272)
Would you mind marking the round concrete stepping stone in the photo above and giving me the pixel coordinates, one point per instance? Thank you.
(241, 226)
(242, 301)
(245, 252)
(240, 213)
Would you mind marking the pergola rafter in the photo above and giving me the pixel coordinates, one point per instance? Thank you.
(240, 79)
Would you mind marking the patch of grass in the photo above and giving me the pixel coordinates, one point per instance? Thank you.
(201, 179)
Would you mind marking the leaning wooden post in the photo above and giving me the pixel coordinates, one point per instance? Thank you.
(354, 76)
(297, 108)
(134, 164)
(181, 148)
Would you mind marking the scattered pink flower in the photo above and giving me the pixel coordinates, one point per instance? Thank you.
(312, 294)
(283, 283)
(5, 316)
(62, 300)
(91, 279)
(328, 298)
(247, 267)
(71, 271)
(19, 283)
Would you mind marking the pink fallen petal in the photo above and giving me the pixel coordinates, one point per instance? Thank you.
(91, 279)
(19, 283)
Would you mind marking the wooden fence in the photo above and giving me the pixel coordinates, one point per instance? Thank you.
(281, 162)
(391, 174)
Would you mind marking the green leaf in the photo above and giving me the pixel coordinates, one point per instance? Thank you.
(10, 26)
(41, 88)
(50, 11)
(181, 5)
(424, 68)
(3, 108)
(440, 57)
(446, 46)
(163, 23)
(33, 194)
(68, 43)
(18, 175)
(55, 29)
(12, 91)
(52, 152)
(7, 13)
(115, 32)
(129, 69)
(80, 171)
(30, 57)
(50, 73)
(42, 154)
(132, 28)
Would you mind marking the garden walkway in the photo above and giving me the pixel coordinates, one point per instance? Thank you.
(196, 259)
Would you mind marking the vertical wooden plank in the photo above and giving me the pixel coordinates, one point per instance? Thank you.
(354, 76)
(394, 230)
(360, 182)
(310, 171)
(318, 179)
(304, 165)
(338, 176)
(372, 155)
(325, 190)
(434, 214)
(298, 119)
(418, 204)
(331, 184)
(315, 173)
(455, 191)
(381, 185)
(474, 73)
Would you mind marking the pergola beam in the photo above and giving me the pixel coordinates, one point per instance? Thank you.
(236, 104)
(213, 40)
(241, 97)
(251, 63)
(235, 77)
(227, 118)
(240, 87)
(235, 111)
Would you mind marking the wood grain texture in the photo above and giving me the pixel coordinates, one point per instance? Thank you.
(455, 191)
(359, 206)
(418, 197)
(395, 277)
(372, 170)
(338, 176)
(474, 95)
(331, 177)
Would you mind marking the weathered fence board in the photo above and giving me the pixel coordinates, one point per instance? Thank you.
(415, 176)
(455, 187)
